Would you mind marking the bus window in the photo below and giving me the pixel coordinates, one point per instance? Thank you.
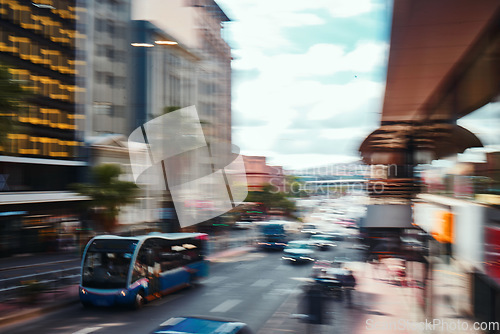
(140, 270)
(106, 270)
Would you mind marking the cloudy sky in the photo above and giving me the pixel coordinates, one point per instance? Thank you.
(309, 76)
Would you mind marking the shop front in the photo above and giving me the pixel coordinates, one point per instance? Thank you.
(38, 227)
(453, 233)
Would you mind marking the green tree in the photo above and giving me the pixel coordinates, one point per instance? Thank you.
(12, 97)
(294, 187)
(107, 194)
(272, 199)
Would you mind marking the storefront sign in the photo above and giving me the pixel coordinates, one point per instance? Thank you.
(492, 252)
(443, 228)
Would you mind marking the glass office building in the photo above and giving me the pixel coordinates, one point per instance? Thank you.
(42, 153)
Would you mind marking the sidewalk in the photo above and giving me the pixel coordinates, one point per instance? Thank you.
(379, 307)
(18, 309)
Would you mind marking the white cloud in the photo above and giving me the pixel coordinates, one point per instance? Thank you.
(319, 60)
(289, 19)
(341, 100)
(280, 96)
(335, 8)
(300, 161)
(258, 23)
(289, 89)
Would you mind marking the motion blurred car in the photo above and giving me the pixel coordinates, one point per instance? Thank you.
(309, 229)
(243, 225)
(202, 325)
(337, 236)
(332, 277)
(348, 223)
(323, 241)
(299, 251)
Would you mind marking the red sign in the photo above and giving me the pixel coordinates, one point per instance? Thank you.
(492, 252)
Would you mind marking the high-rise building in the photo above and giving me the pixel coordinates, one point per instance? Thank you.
(106, 51)
(192, 66)
(197, 25)
(43, 153)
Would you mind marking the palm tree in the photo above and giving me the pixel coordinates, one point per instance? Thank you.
(11, 98)
(108, 194)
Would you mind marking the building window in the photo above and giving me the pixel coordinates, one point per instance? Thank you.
(99, 77)
(109, 79)
(110, 28)
(109, 53)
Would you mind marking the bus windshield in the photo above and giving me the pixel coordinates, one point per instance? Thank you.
(107, 264)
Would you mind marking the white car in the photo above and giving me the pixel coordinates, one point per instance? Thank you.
(309, 229)
(299, 251)
(243, 225)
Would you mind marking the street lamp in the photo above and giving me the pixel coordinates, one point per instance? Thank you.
(144, 45)
(166, 42)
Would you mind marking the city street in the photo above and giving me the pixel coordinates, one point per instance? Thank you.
(249, 287)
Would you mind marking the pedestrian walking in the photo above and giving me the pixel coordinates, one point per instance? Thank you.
(349, 285)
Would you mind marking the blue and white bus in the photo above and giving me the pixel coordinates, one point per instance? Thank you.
(133, 270)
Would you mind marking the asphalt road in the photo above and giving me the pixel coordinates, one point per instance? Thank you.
(249, 288)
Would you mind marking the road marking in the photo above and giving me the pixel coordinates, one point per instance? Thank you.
(303, 279)
(262, 283)
(111, 324)
(285, 291)
(226, 306)
(214, 279)
(87, 330)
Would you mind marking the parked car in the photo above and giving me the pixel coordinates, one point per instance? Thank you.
(202, 325)
(298, 251)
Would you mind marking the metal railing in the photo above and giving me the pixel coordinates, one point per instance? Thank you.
(49, 281)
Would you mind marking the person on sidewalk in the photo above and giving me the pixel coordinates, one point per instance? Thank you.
(349, 283)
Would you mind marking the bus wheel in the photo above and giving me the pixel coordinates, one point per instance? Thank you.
(139, 300)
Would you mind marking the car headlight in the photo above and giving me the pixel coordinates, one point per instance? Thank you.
(83, 291)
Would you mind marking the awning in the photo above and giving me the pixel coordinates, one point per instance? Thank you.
(444, 62)
(427, 141)
(442, 59)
